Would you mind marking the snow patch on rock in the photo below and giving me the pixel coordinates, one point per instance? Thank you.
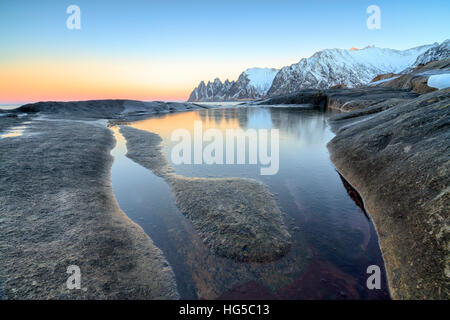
(439, 81)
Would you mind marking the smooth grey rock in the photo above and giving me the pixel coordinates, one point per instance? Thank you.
(398, 160)
(57, 208)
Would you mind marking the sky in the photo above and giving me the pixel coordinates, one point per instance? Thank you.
(160, 50)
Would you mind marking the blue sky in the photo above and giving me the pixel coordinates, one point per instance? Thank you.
(214, 37)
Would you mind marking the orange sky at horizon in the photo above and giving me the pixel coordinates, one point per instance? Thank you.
(32, 79)
(161, 50)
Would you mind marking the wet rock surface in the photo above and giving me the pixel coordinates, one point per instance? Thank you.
(236, 218)
(396, 153)
(58, 209)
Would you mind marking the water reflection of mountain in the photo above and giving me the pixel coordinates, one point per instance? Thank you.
(307, 125)
(222, 116)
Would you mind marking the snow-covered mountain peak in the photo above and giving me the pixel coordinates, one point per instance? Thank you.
(347, 67)
(330, 67)
(253, 83)
(261, 78)
(436, 52)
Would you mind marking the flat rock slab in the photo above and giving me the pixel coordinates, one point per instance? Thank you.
(57, 209)
(102, 109)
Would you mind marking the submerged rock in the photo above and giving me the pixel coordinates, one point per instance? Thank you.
(236, 218)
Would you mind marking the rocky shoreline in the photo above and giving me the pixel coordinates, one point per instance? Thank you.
(398, 161)
(58, 208)
(391, 145)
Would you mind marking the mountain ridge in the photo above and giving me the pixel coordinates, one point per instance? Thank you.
(324, 69)
(352, 68)
(253, 83)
